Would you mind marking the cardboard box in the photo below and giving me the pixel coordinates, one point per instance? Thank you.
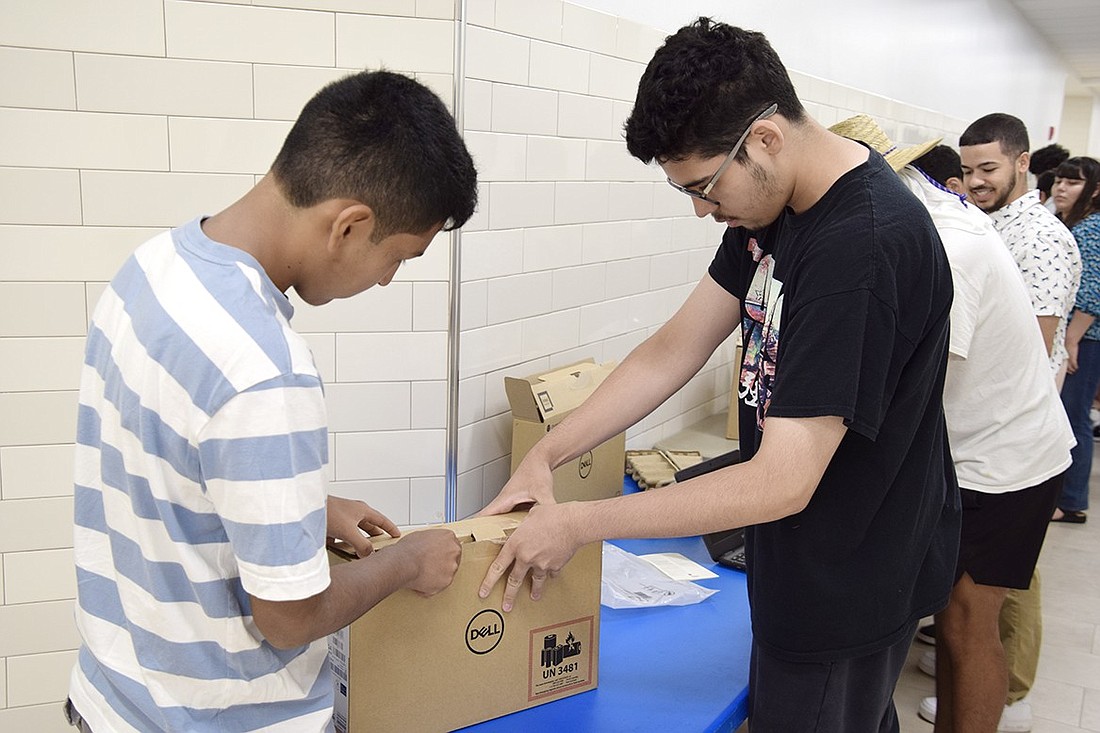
(436, 664)
(541, 401)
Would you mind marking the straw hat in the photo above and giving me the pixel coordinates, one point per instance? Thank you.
(866, 130)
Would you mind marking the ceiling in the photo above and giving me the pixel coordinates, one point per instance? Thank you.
(1073, 29)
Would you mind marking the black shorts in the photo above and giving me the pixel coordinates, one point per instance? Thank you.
(1002, 534)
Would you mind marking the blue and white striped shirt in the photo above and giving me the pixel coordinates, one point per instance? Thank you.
(201, 444)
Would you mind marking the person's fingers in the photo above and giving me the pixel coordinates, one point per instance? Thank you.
(512, 586)
(497, 568)
(538, 580)
(362, 545)
(375, 521)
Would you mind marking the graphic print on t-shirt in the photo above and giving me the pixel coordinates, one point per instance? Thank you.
(760, 332)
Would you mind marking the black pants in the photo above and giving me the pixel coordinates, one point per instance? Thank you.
(74, 718)
(840, 696)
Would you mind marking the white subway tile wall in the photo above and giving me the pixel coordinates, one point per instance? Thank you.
(163, 86)
(40, 575)
(37, 79)
(200, 145)
(37, 679)
(121, 118)
(31, 471)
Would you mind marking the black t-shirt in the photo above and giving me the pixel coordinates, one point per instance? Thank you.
(845, 312)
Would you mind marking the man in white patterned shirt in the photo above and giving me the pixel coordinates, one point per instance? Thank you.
(995, 158)
(994, 151)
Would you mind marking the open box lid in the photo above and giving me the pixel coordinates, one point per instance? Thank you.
(540, 397)
(474, 529)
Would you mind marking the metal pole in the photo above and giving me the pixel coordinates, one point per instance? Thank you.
(450, 509)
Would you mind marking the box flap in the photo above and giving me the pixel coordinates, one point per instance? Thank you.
(556, 392)
(494, 532)
(474, 529)
(493, 527)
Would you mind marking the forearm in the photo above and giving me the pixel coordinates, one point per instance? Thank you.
(778, 482)
(731, 497)
(1078, 325)
(355, 588)
(1049, 326)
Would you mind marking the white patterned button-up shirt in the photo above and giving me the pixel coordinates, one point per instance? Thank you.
(1047, 256)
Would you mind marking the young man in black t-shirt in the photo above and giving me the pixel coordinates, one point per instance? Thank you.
(840, 285)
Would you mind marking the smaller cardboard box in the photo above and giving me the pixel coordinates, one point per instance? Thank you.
(437, 664)
(541, 401)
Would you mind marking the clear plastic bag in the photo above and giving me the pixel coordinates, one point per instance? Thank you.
(628, 581)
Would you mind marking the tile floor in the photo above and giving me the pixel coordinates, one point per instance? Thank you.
(1066, 696)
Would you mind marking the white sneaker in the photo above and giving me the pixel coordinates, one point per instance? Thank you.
(1016, 718)
(927, 664)
(927, 709)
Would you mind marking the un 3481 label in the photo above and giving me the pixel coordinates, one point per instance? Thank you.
(560, 658)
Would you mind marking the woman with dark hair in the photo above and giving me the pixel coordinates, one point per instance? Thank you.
(1076, 195)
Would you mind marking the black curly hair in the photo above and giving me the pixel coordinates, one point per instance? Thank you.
(1047, 158)
(1045, 182)
(1008, 131)
(701, 90)
(941, 163)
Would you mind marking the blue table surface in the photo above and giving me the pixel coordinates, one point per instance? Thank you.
(674, 668)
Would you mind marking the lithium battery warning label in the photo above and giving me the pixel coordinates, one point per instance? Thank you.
(560, 658)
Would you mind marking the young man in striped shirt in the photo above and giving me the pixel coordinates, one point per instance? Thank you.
(204, 592)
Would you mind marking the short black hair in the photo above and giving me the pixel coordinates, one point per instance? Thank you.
(941, 163)
(387, 141)
(701, 90)
(1045, 181)
(998, 127)
(1088, 170)
(1047, 158)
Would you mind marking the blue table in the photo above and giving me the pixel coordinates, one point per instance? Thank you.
(677, 668)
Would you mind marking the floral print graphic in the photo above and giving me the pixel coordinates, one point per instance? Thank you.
(760, 332)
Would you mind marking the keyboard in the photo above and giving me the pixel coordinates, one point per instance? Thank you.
(733, 558)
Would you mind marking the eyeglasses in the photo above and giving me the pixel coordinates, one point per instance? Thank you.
(704, 193)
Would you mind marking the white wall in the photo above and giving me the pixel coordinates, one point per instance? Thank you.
(1077, 124)
(1094, 129)
(120, 118)
(578, 251)
(1081, 125)
(961, 58)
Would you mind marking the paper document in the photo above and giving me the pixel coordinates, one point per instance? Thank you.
(678, 567)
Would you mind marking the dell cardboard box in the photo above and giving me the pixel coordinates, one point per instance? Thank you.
(541, 401)
(437, 664)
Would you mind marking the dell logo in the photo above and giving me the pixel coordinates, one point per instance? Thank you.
(484, 631)
(585, 465)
